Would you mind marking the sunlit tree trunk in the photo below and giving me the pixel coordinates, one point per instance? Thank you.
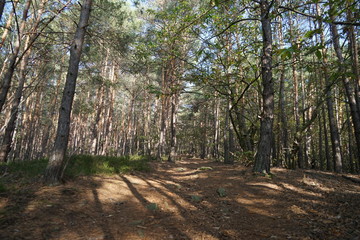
(7, 140)
(173, 123)
(6, 81)
(95, 128)
(176, 69)
(50, 129)
(7, 26)
(216, 110)
(56, 162)
(163, 115)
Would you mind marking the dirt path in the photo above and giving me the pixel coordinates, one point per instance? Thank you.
(192, 199)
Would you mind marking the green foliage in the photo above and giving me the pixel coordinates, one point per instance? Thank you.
(84, 165)
(196, 198)
(2, 187)
(222, 192)
(92, 165)
(311, 33)
(28, 169)
(152, 207)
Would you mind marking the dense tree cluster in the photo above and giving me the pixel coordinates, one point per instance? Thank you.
(265, 82)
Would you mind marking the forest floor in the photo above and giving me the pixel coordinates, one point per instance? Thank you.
(189, 199)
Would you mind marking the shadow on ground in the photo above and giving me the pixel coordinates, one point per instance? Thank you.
(192, 199)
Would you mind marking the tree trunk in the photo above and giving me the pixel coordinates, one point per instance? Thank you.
(163, 116)
(2, 5)
(174, 88)
(227, 135)
(7, 140)
(6, 81)
(216, 110)
(263, 155)
(321, 155)
(54, 168)
(7, 26)
(327, 147)
(334, 131)
(349, 91)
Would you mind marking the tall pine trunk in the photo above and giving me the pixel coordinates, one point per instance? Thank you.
(263, 155)
(54, 168)
(349, 90)
(334, 131)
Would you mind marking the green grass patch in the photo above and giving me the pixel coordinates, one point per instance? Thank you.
(105, 165)
(28, 169)
(2, 187)
(82, 165)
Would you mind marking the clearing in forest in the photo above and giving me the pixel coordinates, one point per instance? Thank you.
(190, 199)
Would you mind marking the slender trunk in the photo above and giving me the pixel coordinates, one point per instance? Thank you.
(95, 128)
(7, 140)
(321, 154)
(49, 131)
(263, 155)
(2, 5)
(228, 158)
(298, 137)
(350, 140)
(163, 116)
(334, 131)
(355, 68)
(174, 110)
(354, 53)
(283, 155)
(327, 147)
(349, 91)
(57, 159)
(216, 128)
(7, 26)
(173, 140)
(6, 81)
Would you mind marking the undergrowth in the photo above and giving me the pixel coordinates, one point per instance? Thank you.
(94, 165)
(80, 165)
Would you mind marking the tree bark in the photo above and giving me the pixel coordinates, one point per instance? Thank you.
(334, 131)
(263, 155)
(2, 5)
(7, 140)
(349, 90)
(54, 168)
(6, 81)
(7, 26)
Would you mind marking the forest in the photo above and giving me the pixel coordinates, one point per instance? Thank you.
(201, 116)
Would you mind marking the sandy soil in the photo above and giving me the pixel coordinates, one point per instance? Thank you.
(190, 199)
